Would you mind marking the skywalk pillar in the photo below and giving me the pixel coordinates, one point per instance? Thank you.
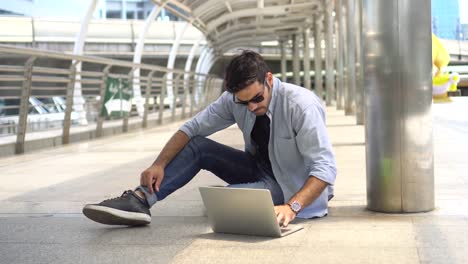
(339, 55)
(283, 60)
(306, 58)
(318, 56)
(359, 98)
(398, 88)
(329, 65)
(350, 94)
(296, 61)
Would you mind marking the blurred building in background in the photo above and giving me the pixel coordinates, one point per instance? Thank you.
(75, 9)
(446, 19)
(465, 31)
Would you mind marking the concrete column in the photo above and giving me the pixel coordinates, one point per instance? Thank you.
(188, 62)
(350, 106)
(171, 62)
(69, 104)
(306, 59)
(24, 106)
(283, 60)
(137, 54)
(345, 52)
(330, 75)
(198, 87)
(360, 116)
(339, 55)
(78, 100)
(296, 61)
(318, 55)
(188, 67)
(398, 86)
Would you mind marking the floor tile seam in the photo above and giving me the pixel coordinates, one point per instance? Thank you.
(80, 215)
(41, 213)
(120, 151)
(43, 216)
(370, 213)
(365, 224)
(35, 159)
(41, 201)
(188, 215)
(97, 141)
(354, 246)
(365, 227)
(164, 244)
(250, 245)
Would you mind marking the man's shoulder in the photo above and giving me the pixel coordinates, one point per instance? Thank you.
(226, 100)
(297, 96)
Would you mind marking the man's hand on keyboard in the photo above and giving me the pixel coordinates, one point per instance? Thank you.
(284, 214)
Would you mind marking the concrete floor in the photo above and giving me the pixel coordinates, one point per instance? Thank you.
(42, 193)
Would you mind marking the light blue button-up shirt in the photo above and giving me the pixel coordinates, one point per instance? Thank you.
(299, 146)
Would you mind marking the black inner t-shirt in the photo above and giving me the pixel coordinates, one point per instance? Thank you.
(261, 136)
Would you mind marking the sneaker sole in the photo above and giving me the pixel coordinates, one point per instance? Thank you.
(110, 216)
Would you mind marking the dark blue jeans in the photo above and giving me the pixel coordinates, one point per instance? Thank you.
(238, 168)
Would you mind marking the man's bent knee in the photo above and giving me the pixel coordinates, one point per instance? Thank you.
(199, 142)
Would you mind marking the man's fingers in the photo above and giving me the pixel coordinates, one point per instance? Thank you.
(279, 218)
(276, 211)
(158, 183)
(142, 179)
(286, 221)
(149, 182)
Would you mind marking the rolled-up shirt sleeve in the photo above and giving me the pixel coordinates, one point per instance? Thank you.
(314, 144)
(213, 118)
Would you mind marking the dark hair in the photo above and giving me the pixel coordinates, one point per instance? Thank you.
(245, 69)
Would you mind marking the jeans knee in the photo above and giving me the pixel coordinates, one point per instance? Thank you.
(198, 142)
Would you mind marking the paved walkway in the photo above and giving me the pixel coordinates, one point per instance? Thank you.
(42, 193)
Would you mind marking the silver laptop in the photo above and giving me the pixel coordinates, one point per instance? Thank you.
(243, 211)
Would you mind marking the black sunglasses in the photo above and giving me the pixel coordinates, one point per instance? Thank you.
(257, 99)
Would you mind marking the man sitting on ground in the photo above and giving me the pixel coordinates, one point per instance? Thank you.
(287, 149)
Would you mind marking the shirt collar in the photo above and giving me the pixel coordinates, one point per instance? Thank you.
(274, 90)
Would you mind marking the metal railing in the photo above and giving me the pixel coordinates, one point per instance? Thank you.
(36, 83)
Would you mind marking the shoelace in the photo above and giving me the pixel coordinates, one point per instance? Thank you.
(123, 194)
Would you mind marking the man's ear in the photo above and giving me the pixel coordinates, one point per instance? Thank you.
(269, 77)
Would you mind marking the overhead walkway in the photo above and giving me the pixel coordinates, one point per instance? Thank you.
(110, 38)
(117, 37)
(42, 194)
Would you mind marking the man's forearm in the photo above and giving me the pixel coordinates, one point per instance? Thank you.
(309, 192)
(171, 149)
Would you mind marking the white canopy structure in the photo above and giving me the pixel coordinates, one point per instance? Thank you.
(230, 24)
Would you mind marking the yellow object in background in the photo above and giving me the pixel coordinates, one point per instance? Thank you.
(442, 82)
(440, 56)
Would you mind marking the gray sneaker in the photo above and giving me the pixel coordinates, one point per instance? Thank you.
(128, 209)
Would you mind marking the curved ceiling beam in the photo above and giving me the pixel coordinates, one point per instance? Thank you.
(266, 25)
(175, 3)
(195, 21)
(253, 35)
(236, 45)
(225, 22)
(253, 12)
(209, 6)
(241, 42)
(273, 31)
